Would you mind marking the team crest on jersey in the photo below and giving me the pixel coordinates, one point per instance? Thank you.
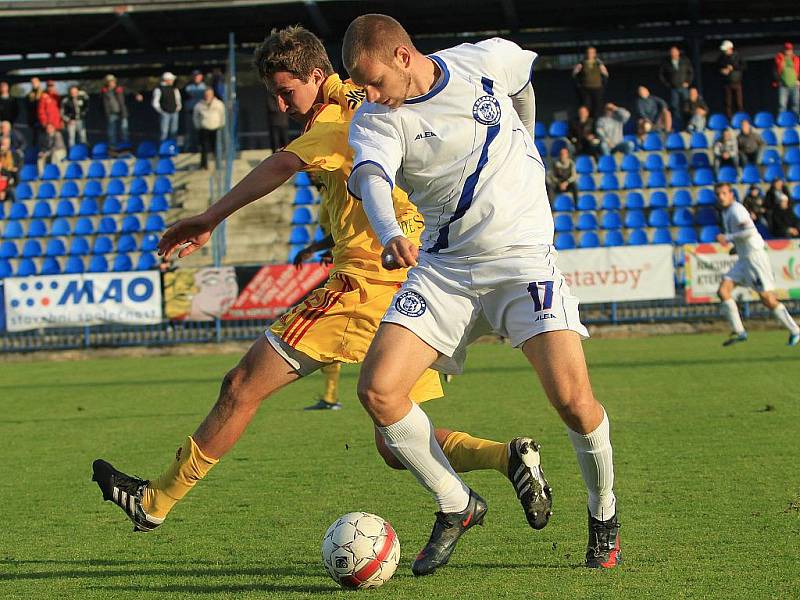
(486, 110)
(410, 304)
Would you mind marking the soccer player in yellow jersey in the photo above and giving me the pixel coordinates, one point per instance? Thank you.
(335, 323)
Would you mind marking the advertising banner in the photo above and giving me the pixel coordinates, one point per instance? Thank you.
(619, 274)
(238, 293)
(83, 299)
(707, 263)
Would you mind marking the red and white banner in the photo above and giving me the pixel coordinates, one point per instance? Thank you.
(619, 274)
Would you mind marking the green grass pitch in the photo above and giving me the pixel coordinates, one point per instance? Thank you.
(706, 449)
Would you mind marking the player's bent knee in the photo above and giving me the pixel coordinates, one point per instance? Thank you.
(235, 389)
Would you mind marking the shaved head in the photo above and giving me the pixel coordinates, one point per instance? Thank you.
(375, 36)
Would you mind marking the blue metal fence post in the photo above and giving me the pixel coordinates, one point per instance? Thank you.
(85, 336)
(613, 313)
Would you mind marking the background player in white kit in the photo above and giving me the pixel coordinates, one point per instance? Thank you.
(752, 269)
(447, 128)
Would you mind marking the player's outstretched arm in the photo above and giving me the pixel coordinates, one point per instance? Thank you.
(324, 244)
(194, 232)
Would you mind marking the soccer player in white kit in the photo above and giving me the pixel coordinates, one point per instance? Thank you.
(752, 269)
(453, 130)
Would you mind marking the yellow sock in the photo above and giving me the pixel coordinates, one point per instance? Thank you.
(331, 373)
(189, 466)
(467, 453)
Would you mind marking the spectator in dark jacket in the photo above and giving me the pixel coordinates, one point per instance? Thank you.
(581, 135)
(787, 79)
(754, 203)
(561, 177)
(9, 107)
(74, 107)
(731, 67)
(695, 111)
(116, 111)
(750, 145)
(676, 73)
(590, 77)
(776, 189)
(653, 112)
(783, 223)
(32, 109)
(167, 103)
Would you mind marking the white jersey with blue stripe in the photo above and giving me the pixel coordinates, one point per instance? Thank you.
(463, 155)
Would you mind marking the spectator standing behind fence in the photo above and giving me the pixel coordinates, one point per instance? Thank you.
(116, 111)
(562, 176)
(676, 74)
(50, 107)
(783, 223)
(14, 138)
(9, 107)
(726, 151)
(192, 94)
(609, 130)
(731, 67)
(581, 134)
(167, 103)
(695, 111)
(74, 107)
(208, 119)
(32, 109)
(750, 145)
(787, 79)
(51, 147)
(590, 77)
(652, 111)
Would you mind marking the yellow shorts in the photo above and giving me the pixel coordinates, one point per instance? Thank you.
(336, 323)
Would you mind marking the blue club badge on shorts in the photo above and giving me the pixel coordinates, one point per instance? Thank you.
(410, 304)
(486, 110)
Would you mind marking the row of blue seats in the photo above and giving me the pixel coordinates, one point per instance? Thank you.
(657, 217)
(83, 226)
(75, 264)
(93, 188)
(88, 207)
(676, 161)
(636, 237)
(303, 216)
(304, 235)
(97, 170)
(102, 151)
(79, 246)
(715, 122)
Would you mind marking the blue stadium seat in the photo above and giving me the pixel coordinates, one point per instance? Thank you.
(13, 230)
(51, 172)
(83, 226)
(115, 187)
(563, 203)
(770, 156)
(122, 262)
(299, 235)
(302, 216)
(134, 205)
(613, 238)
(23, 191)
(149, 243)
(46, 191)
(611, 220)
(108, 225)
(659, 217)
(301, 178)
(26, 268)
(319, 234)
(586, 222)
(607, 164)
(50, 266)
(610, 201)
(78, 152)
(165, 166)
(142, 168)
(682, 217)
(93, 188)
(18, 210)
(97, 264)
(634, 219)
(55, 247)
(158, 203)
(654, 162)
(656, 179)
(659, 199)
(126, 243)
(112, 206)
(69, 189)
(686, 235)
(727, 174)
(30, 155)
(138, 186)
(120, 168)
(708, 234)
(797, 210)
(168, 149)
(717, 122)
(634, 201)
(705, 216)
(652, 142)
(102, 245)
(584, 164)
(703, 177)
(73, 171)
(97, 170)
(8, 249)
(738, 118)
(698, 141)
(556, 146)
(637, 237)
(750, 175)
(795, 194)
(587, 202)
(675, 142)
(589, 239)
(5, 269)
(790, 137)
(791, 156)
(564, 241)
(633, 181)
(74, 265)
(60, 227)
(100, 151)
(162, 185)
(37, 228)
(78, 246)
(540, 146)
(294, 250)
(41, 210)
(303, 196)
(563, 223)
(680, 178)
(662, 236)
(31, 249)
(88, 207)
(146, 149)
(154, 222)
(28, 173)
(558, 129)
(769, 137)
(773, 172)
(763, 120)
(146, 262)
(677, 161)
(630, 163)
(586, 183)
(793, 174)
(787, 119)
(700, 160)
(539, 130)
(65, 208)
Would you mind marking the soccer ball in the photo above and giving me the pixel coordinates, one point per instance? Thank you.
(360, 550)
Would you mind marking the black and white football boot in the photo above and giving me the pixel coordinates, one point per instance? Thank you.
(447, 530)
(527, 477)
(603, 550)
(126, 492)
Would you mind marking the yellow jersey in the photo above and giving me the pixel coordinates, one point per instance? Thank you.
(324, 148)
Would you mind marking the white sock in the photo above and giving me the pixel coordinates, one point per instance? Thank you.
(597, 467)
(412, 441)
(731, 312)
(782, 314)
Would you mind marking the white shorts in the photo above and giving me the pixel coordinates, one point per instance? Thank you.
(753, 271)
(450, 303)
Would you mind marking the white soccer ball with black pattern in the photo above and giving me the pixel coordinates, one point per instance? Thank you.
(360, 550)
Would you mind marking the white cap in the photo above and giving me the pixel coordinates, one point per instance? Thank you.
(726, 45)
(167, 76)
